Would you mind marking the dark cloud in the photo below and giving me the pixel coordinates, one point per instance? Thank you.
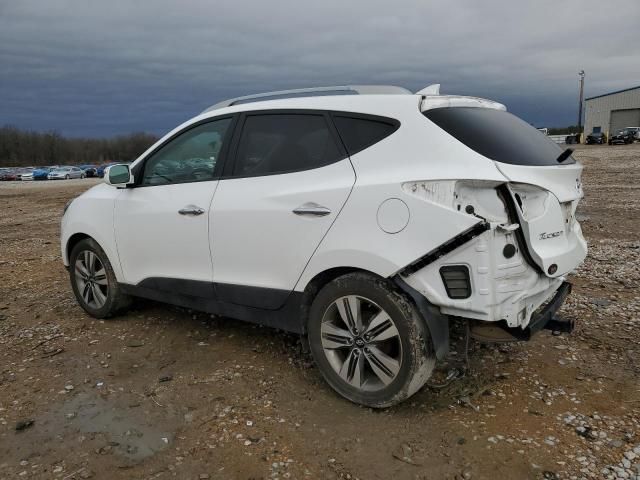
(101, 68)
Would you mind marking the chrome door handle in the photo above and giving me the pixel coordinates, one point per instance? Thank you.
(191, 210)
(313, 209)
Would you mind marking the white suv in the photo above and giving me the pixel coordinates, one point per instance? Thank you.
(361, 217)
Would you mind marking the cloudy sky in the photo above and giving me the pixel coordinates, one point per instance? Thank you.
(99, 68)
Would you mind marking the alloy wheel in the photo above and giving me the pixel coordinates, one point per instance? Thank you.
(91, 279)
(361, 342)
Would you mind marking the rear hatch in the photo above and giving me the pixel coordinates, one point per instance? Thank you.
(543, 191)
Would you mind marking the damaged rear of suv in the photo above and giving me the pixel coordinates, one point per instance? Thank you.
(361, 217)
(527, 237)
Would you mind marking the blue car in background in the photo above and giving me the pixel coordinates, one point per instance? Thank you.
(42, 173)
(100, 168)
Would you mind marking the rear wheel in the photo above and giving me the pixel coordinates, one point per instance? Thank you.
(94, 282)
(369, 341)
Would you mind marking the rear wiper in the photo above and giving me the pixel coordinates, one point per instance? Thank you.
(564, 155)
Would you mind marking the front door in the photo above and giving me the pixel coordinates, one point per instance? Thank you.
(162, 224)
(287, 185)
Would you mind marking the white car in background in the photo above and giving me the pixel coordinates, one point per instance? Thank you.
(360, 217)
(26, 175)
(636, 132)
(65, 173)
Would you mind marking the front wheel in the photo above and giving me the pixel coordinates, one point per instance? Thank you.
(369, 341)
(93, 281)
(66, 177)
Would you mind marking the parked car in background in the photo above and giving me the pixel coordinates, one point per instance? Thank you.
(26, 175)
(20, 171)
(622, 136)
(89, 170)
(314, 230)
(10, 174)
(595, 138)
(100, 168)
(65, 173)
(636, 132)
(572, 138)
(42, 172)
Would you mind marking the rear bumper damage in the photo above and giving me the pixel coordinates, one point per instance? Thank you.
(508, 300)
(496, 288)
(544, 318)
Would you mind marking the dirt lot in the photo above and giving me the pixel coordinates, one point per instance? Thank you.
(163, 392)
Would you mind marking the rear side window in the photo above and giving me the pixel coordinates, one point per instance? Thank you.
(279, 143)
(358, 133)
(498, 135)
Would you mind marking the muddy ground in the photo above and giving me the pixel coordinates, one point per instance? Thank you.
(163, 392)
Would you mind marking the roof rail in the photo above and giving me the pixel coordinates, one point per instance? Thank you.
(313, 92)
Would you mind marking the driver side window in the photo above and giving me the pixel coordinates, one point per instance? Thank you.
(190, 157)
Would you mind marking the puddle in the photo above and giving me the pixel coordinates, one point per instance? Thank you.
(103, 424)
(126, 436)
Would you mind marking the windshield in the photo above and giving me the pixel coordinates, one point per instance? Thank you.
(497, 135)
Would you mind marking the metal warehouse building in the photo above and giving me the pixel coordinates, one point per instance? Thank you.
(612, 111)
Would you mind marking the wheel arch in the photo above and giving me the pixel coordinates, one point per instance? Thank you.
(82, 232)
(72, 242)
(432, 318)
(316, 284)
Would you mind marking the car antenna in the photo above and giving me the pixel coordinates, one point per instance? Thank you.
(564, 155)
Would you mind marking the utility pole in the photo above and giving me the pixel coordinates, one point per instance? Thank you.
(581, 74)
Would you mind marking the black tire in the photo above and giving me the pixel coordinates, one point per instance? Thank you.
(116, 301)
(66, 177)
(416, 355)
(82, 177)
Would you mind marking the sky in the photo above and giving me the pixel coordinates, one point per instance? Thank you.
(108, 67)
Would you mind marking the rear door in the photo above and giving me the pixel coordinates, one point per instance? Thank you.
(288, 182)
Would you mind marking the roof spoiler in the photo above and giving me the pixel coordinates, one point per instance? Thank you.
(442, 101)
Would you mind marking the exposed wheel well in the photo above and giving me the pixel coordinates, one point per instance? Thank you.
(316, 284)
(73, 241)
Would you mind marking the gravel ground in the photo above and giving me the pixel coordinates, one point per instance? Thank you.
(50, 184)
(163, 392)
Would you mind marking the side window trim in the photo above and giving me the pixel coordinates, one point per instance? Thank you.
(138, 171)
(227, 173)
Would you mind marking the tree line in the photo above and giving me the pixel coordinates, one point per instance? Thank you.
(21, 148)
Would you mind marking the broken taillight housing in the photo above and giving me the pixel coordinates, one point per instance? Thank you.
(474, 197)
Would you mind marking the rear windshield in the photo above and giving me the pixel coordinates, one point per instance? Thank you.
(498, 135)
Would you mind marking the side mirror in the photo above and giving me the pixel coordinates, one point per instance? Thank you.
(118, 176)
